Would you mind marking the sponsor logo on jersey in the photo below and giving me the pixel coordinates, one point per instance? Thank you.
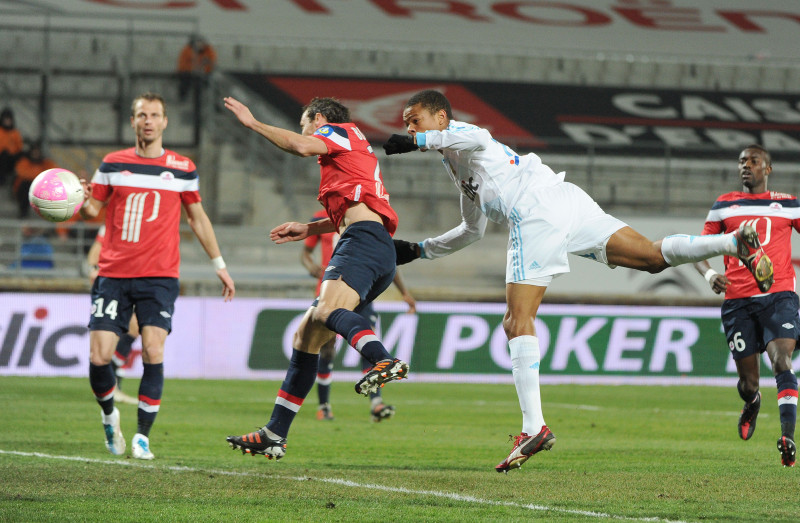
(126, 172)
(134, 214)
(173, 162)
(167, 176)
(775, 205)
(469, 188)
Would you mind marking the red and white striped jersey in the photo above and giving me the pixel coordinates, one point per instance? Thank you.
(350, 173)
(774, 215)
(143, 212)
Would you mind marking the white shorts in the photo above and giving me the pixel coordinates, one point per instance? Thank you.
(552, 222)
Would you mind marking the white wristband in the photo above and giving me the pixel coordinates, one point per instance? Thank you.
(710, 273)
(218, 263)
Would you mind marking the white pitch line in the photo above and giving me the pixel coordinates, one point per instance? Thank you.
(346, 483)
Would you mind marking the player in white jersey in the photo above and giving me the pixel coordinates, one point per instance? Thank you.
(547, 219)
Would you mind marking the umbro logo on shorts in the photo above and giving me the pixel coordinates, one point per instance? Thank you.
(165, 314)
(330, 268)
(787, 325)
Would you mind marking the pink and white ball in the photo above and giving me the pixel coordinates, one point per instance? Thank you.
(56, 195)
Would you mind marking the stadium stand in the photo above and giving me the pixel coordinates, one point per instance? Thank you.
(71, 84)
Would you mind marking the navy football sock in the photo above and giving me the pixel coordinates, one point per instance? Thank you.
(324, 371)
(103, 383)
(150, 389)
(358, 333)
(295, 387)
(124, 346)
(121, 353)
(787, 402)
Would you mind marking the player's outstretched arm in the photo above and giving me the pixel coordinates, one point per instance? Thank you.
(241, 111)
(201, 225)
(406, 251)
(296, 231)
(289, 232)
(287, 140)
(399, 144)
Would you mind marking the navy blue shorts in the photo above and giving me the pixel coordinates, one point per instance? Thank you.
(113, 300)
(364, 257)
(751, 323)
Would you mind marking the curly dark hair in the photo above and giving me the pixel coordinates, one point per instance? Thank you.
(432, 101)
(332, 109)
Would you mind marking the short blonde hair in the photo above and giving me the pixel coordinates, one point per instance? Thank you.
(150, 97)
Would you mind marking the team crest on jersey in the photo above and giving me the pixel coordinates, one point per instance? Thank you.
(335, 134)
(167, 176)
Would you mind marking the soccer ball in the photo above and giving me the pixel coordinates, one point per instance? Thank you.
(56, 195)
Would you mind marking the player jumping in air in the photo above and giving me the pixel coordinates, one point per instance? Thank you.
(361, 268)
(547, 218)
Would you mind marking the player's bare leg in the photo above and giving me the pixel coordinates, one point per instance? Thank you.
(337, 301)
(523, 302)
(628, 248)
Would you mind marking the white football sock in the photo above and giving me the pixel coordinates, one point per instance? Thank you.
(682, 248)
(271, 434)
(110, 419)
(524, 352)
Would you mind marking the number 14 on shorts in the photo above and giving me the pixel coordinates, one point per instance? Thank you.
(110, 310)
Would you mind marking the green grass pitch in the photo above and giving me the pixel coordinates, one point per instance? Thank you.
(622, 453)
